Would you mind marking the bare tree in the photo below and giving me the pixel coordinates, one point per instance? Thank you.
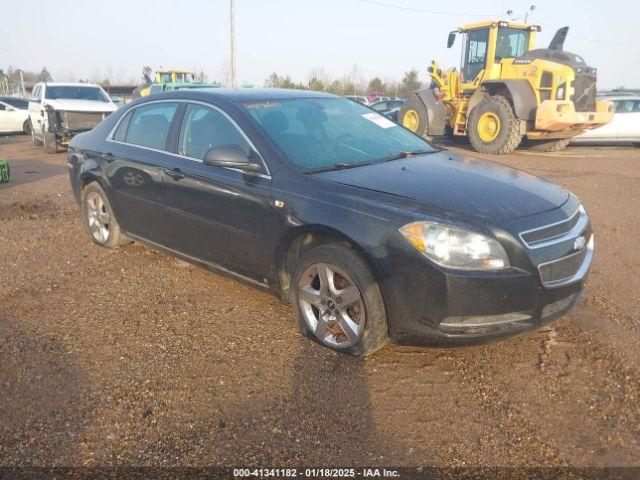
(45, 76)
(146, 74)
(224, 73)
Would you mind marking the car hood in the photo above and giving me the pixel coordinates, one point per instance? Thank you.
(454, 183)
(70, 105)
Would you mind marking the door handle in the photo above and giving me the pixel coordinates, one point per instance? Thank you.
(109, 157)
(174, 173)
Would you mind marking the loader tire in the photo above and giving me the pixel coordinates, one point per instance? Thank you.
(547, 145)
(493, 126)
(413, 116)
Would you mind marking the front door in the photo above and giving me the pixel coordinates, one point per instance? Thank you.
(11, 119)
(216, 214)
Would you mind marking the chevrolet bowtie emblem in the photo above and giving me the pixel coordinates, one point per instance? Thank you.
(579, 243)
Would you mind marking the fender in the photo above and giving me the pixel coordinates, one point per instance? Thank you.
(435, 111)
(522, 96)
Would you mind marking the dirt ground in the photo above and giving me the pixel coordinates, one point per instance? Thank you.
(132, 357)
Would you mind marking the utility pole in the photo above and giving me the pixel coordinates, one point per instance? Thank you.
(24, 92)
(234, 78)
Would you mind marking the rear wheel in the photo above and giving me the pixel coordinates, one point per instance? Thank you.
(413, 116)
(337, 301)
(49, 141)
(547, 145)
(99, 218)
(493, 126)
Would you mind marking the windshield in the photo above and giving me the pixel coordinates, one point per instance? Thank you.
(333, 132)
(76, 93)
(16, 102)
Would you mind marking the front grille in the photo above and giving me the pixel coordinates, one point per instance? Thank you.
(83, 120)
(550, 232)
(563, 270)
(584, 92)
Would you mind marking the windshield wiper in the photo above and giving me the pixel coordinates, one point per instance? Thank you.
(337, 166)
(399, 155)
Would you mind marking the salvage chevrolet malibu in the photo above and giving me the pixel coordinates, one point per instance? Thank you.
(368, 230)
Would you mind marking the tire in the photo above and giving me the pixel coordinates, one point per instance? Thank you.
(26, 127)
(488, 135)
(34, 139)
(49, 141)
(366, 310)
(413, 116)
(99, 219)
(547, 145)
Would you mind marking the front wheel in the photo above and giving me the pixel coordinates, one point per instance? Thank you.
(413, 116)
(26, 127)
(99, 219)
(337, 301)
(493, 126)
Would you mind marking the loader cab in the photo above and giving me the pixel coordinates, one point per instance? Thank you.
(486, 44)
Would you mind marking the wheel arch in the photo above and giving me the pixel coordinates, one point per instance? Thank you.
(519, 92)
(436, 118)
(298, 240)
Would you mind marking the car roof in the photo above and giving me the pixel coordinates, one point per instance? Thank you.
(620, 97)
(244, 94)
(70, 84)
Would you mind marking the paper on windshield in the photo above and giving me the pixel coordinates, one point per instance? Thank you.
(379, 120)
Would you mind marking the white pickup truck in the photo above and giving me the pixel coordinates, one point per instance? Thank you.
(58, 111)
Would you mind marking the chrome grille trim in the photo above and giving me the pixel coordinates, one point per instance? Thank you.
(575, 231)
(580, 273)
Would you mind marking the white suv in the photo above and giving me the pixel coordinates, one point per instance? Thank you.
(58, 111)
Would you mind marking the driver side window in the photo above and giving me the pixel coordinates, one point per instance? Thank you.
(476, 53)
(204, 128)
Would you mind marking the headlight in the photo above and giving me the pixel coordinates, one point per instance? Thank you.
(560, 92)
(456, 247)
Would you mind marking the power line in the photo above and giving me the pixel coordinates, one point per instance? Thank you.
(420, 10)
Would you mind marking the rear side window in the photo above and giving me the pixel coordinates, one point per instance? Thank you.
(149, 125)
(121, 131)
(204, 128)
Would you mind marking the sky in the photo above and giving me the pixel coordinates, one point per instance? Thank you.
(96, 39)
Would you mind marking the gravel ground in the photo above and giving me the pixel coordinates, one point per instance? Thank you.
(132, 357)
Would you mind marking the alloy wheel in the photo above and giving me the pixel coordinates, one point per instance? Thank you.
(98, 217)
(332, 305)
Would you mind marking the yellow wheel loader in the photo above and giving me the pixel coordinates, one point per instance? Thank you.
(508, 93)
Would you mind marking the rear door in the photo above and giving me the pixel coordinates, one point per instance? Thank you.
(135, 157)
(216, 214)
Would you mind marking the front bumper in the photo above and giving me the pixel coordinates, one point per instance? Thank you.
(561, 116)
(66, 124)
(428, 305)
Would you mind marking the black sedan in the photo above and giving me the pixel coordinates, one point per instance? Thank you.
(368, 230)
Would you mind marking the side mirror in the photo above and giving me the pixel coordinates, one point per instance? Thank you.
(116, 100)
(451, 39)
(230, 156)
